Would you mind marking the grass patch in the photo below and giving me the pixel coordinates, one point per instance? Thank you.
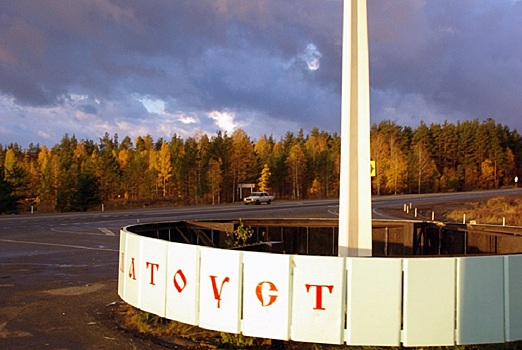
(192, 337)
(491, 212)
(152, 325)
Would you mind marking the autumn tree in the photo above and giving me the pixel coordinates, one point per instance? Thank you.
(176, 155)
(467, 155)
(244, 165)
(164, 167)
(124, 157)
(202, 162)
(67, 172)
(320, 162)
(220, 149)
(296, 162)
(107, 167)
(379, 150)
(424, 175)
(426, 171)
(189, 171)
(394, 170)
(263, 183)
(445, 153)
(215, 177)
(46, 174)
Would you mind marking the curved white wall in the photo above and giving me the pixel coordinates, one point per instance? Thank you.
(385, 301)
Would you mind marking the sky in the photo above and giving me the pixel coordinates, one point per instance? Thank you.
(165, 67)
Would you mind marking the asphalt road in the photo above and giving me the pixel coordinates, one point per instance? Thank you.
(58, 272)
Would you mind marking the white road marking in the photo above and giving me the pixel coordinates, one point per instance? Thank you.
(59, 245)
(106, 231)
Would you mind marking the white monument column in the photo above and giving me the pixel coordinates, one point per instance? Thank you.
(355, 210)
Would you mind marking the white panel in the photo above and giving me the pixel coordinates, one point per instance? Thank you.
(220, 285)
(374, 301)
(429, 301)
(266, 295)
(153, 274)
(513, 289)
(132, 259)
(121, 264)
(480, 300)
(318, 299)
(183, 283)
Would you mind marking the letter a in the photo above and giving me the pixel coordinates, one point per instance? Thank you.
(132, 272)
(122, 262)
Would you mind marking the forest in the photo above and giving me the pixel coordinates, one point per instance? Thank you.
(81, 175)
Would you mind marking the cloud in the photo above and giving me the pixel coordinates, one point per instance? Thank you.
(90, 67)
(312, 57)
(224, 120)
(187, 119)
(155, 106)
(458, 58)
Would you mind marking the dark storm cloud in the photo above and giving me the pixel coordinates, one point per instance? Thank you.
(93, 64)
(457, 59)
(204, 54)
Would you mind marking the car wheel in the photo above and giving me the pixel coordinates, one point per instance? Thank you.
(269, 201)
(258, 202)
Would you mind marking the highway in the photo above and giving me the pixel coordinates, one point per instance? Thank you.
(58, 271)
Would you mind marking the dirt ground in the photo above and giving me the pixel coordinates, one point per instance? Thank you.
(76, 317)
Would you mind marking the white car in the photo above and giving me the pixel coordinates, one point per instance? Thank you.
(258, 198)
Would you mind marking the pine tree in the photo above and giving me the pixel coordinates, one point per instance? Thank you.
(214, 175)
(8, 199)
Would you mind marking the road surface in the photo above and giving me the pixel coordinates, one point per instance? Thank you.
(58, 272)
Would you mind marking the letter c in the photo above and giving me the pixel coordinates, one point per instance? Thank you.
(273, 296)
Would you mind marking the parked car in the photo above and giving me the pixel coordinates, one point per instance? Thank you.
(258, 198)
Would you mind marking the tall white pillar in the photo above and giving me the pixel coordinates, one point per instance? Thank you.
(355, 212)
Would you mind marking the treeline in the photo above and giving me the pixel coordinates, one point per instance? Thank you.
(77, 175)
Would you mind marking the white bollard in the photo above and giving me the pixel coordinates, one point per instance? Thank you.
(464, 219)
(415, 212)
(103, 207)
(503, 221)
(432, 216)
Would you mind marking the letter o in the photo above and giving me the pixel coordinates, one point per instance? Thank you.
(183, 279)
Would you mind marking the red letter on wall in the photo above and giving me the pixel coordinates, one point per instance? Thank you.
(122, 262)
(181, 276)
(132, 272)
(217, 294)
(318, 294)
(152, 271)
(271, 288)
